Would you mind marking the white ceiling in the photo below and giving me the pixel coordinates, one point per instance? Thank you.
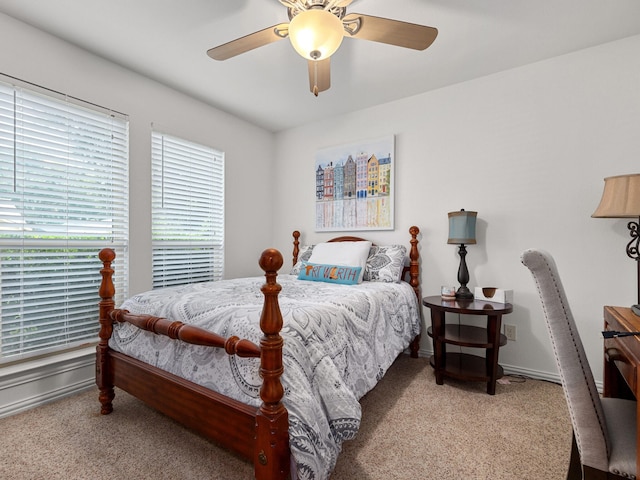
(167, 40)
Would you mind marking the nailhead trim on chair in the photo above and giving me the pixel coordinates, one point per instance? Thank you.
(582, 366)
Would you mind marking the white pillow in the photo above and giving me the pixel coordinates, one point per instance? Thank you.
(350, 254)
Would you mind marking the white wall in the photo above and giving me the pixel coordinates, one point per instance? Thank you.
(528, 149)
(36, 57)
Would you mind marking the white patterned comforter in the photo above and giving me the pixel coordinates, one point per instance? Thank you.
(339, 340)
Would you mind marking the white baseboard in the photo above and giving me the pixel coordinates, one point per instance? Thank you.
(538, 375)
(30, 384)
(527, 372)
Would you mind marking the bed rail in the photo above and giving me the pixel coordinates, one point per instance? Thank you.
(187, 333)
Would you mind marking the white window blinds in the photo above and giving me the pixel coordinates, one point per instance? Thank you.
(187, 211)
(63, 197)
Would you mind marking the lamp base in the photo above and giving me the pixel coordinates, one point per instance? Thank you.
(464, 293)
(636, 309)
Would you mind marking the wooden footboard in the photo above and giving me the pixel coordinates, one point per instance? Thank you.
(260, 434)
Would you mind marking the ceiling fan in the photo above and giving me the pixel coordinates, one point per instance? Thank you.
(316, 29)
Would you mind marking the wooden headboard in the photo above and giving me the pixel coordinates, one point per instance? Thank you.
(412, 270)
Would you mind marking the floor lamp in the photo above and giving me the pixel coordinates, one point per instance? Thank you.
(621, 199)
(462, 230)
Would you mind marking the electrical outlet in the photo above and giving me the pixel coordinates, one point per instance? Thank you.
(510, 332)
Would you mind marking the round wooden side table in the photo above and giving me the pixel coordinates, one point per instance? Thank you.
(465, 366)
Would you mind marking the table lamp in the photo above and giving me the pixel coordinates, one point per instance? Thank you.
(462, 231)
(621, 199)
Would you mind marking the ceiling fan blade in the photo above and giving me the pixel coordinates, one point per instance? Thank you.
(249, 42)
(319, 75)
(393, 32)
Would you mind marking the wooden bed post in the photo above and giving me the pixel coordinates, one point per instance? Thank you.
(104, 377)
(272, 455)
(296, 247)
(414, 274)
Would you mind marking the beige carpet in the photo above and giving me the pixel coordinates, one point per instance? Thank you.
(411, 429)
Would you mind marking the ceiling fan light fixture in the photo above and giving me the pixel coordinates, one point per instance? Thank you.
(316, 34)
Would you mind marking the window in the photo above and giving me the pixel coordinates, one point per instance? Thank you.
(187, 212)
(63, 197)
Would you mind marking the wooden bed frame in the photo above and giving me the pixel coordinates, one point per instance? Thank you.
(259, 434)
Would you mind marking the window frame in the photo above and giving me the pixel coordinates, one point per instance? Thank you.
(63, 197)
(187, 211)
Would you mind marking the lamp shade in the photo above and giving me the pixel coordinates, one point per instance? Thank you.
(316, 34)
(621, 197)
(462, 227)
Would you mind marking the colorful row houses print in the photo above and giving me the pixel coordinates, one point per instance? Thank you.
(354, 186)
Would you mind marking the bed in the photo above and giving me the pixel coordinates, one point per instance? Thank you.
(275, 383)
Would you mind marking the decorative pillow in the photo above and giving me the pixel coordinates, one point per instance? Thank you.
(303, 256)
(350, 254)
(385, 263)
(330, 273)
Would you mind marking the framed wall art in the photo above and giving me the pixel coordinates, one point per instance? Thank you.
(354, 186)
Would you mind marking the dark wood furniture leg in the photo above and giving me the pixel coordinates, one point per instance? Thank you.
(414, 347)
(494, 323)
(439, 347)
